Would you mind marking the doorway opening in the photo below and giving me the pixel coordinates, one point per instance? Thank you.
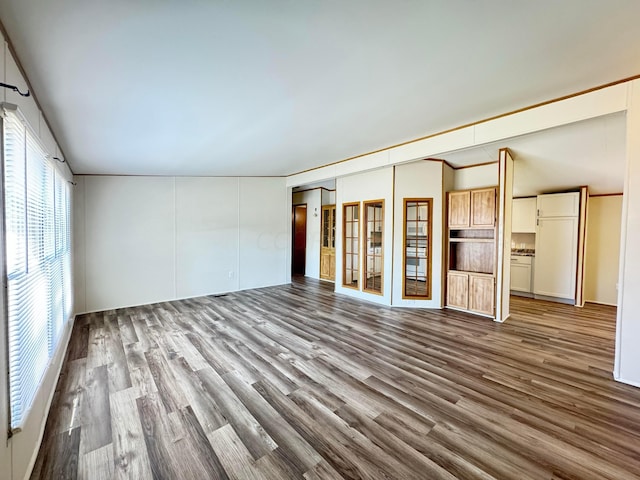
(299, 239)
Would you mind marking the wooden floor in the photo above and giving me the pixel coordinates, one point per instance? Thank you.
(298, 382)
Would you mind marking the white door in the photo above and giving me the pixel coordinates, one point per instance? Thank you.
(556, 257)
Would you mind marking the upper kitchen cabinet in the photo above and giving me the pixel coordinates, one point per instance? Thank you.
(524, 215)
(559, 205)
(472, 208)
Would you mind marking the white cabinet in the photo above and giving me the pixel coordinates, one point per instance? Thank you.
(556, 257)
(521, 274)
(559, 205)
(524, 215)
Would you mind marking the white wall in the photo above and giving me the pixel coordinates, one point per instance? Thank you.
(328, 197)
(373, 185)
(313, 200)
(149, 239)
(265, 234)
(603, 249)
(476, 177)
(422, 179)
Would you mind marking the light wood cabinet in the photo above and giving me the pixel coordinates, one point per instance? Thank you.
(458, 290)
(471, 263)
(459, 209)
(483, 208)
(474, 292)
(524, 215)
(472, 208)
(482, 294)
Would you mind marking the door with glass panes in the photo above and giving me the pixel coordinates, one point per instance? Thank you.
(328, 243)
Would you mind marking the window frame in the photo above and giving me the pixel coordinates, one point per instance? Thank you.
(366, 241)
(429, 249)
(344, 243)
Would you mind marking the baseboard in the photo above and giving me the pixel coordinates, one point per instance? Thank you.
(602, 303)
(567, 301)
(628, 382)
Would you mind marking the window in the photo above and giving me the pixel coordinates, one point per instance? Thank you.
(417, 248)
(374, 233)
(351, 245)
(38, 259)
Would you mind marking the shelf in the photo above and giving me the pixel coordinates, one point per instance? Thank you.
(479, 274)
(473, 240)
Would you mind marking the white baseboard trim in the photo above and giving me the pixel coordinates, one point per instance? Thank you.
(602, 303)
(628, 382)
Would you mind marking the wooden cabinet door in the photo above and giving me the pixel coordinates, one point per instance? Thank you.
(556, 257)
(524, 215)
(481, 294)
(483, 208)
(459, 203)
(458, 290)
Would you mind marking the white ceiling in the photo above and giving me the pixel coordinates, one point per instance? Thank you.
(197, 87)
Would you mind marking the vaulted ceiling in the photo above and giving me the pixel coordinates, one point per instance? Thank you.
(196, 87)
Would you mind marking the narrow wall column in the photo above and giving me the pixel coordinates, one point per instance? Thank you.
(627, 364)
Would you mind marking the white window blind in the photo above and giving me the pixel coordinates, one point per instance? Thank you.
(38, 258)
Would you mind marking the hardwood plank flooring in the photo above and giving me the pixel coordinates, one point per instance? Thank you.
(296, 382)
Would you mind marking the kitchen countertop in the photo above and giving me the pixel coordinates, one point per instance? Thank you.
(523, 252)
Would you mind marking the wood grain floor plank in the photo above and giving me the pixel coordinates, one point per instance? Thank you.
(253, 435)
(129, 450)
(234, 456)
(96, 415)
(296, 382)
(172, 398)
(60, 461)
(97, 464)
(300, 454)
(117, 366)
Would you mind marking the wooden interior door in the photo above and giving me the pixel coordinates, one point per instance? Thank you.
(328, 243)
(299, 240)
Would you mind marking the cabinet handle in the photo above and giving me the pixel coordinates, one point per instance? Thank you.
(538, 212)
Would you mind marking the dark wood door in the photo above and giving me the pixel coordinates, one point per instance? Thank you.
(299, 239)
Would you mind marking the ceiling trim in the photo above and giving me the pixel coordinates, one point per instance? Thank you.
(606, 195)
(472, 124)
